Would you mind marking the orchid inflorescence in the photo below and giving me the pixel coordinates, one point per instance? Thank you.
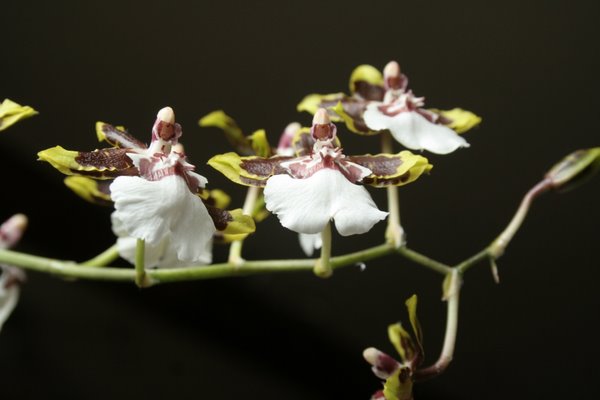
(166, 220)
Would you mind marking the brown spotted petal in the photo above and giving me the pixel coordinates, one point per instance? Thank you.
(392, 169)
(117, 136)
(248, 171)
(97, 164)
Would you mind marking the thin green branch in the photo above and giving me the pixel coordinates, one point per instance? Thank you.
(452, 296)
(498, 246)
(424, 260)
(474, 260)
(106, 257)
(71, 269)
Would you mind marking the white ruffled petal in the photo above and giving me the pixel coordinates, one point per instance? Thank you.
(163, 209)
(306, 205)
(414, 131)
(310, 243)
(9, 297)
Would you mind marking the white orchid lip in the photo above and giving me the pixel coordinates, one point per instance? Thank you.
(411, 125)
(307, 205)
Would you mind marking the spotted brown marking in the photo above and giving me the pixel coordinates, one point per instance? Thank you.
(368, 91)
(120, 137)
(379, 165)
(105, 158)
(221, 218)
(263, 167)
(380, 182)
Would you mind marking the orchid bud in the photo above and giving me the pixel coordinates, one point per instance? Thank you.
(384, 366)
(12, 230)
(574, 168)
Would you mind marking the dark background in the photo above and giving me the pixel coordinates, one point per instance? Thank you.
(530, 69)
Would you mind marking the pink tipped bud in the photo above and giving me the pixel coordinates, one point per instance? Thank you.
(165, 127)
(321, 117)
(166, 115)
(12, 230)
(383, 365)
(322, 128)
(392, 69)
(393, 78)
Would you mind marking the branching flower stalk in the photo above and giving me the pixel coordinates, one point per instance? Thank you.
(166, 220)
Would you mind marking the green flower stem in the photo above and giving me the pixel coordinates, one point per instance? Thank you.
(497, 247)
(106, 257)
(474, 260)
(452, 297)
(63, 268)
(71, 269)
(424, 260)
(323, 264)
(394, 233)
(140, 265)
(235, 250)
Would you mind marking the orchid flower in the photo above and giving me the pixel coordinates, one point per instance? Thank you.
(309, 242)
(308, 191)
(382, 102)
(10, 277)
(156, 193)
(257, 144)
(11, 113)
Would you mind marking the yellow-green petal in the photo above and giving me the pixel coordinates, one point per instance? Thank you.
(240, 223)
(233, 133)
(402, 342)
(399, 385)
(229, 165)
(88, 189)
(260, 144)
(461, 120)
(11, 113)
(411, 305)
